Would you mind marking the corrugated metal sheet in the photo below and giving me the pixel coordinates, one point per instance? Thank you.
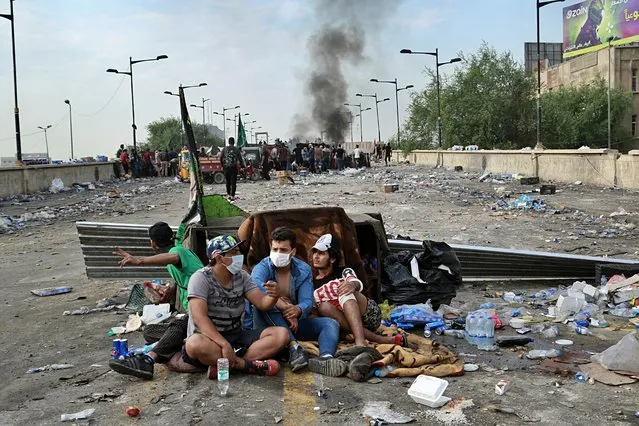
(98, 240)
(483, 263)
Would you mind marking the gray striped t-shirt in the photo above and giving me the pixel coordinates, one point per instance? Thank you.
(225, 306)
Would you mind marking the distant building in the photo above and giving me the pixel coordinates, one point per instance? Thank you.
(551, 52)
(624, 73)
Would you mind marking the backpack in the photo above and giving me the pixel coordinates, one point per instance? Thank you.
(229, 159)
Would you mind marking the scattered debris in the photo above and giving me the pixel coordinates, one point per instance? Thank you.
(80, 415)
(51, 291)
(49, 367)
(381, 411)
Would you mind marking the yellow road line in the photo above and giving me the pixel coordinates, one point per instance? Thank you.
(299, 399)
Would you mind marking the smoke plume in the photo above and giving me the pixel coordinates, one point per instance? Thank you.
(339, 40)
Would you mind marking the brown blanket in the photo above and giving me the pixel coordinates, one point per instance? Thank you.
(308, 224)
(429, 358)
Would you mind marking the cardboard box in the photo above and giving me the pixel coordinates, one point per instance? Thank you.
(387, 188)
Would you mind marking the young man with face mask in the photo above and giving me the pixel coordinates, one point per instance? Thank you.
(338, 295)
(295, 305)
(216, 301)
(181, 264)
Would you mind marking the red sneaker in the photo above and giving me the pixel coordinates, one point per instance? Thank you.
(212, 373)
(268, 367)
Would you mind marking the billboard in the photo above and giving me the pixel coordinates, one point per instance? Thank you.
(589, 24)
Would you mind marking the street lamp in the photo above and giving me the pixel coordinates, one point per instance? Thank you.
(130, 74)
(439, 64)
(540, 4)
(16, 111)
(68, 102)
(610, 39)
(397, 90)
(379, 133)
(46, 141)
(202, 107)
(223, 114)
(361, 133)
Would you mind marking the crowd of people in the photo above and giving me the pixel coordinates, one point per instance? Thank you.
(150, 164)
(254, 318)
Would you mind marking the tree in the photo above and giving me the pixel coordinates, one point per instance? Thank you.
(488, 101)
(578, 115)
(166, 134)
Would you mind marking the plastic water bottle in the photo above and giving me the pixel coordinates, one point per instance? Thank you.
(583, 331)
(471, 329)
(223, 376)
(540, 354)
(383, 372)
(481, 329)
(489, 330)
(604, 280)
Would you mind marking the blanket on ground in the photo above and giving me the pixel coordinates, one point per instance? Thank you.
(429, 358)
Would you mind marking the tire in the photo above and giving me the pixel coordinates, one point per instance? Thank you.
(209, 178)
(218, 178)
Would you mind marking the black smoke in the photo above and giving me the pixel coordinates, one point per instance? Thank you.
(339, 40)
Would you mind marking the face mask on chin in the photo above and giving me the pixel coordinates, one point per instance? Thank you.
(236, 264)
(280, 260)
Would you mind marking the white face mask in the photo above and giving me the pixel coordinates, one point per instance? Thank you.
(236, 264)
(280, 260)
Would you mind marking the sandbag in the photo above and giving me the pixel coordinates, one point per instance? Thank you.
(622, 356)
(439, 268)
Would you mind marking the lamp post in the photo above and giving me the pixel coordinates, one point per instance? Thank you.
(350, 122)
(439, 64)
(16, 111)
(540, 4)
(68, 102)
(397, 90)
(379, 132)
(167, 92)
(130, 74)
(202, 108)
(223, 114)
(46, 141)
(361, 133)
(610, 39)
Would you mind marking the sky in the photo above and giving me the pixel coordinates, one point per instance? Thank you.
(251, 53)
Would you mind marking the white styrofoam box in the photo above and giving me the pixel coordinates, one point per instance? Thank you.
(429, 391)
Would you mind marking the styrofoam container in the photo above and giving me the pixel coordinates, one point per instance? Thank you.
(517, 323)
(152, 314)
(428, 390)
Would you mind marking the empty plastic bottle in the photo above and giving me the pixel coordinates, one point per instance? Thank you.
(604, 280)
(582, 377)
(583, 330)
(459, 334)
(471, 329)
(383, 372)
(481, 329)
(540, 354)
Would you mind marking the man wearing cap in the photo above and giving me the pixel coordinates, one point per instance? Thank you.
(295, 305)
(181, 264)
(216, 301)
(338, 295)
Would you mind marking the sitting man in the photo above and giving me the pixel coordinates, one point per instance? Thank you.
(181, 264)
(216, 301)
(294, 306)
(338, 296)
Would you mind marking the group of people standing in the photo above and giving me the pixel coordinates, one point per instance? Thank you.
(253, 318)
(158, 163)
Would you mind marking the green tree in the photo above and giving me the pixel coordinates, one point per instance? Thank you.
(166, 134)
(488, 101)
(578, 115)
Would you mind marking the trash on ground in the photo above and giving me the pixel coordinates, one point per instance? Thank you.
(49, 367)
(80, 415)
(132, 411)
(155, 314)
(621, 356)
(429, 391)
(56, 186)
(84, 310)
(607, 377)
(501, 387)
(51, 291)
(380, 410)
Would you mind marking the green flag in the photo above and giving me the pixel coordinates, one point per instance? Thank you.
(241, 133)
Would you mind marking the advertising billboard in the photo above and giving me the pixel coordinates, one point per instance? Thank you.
(589, 25)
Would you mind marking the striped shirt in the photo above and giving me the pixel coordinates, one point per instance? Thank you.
(225, 305)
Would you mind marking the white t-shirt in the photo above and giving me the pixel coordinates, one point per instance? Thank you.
(356, 152)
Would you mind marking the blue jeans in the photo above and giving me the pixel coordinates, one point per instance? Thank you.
(340, 164)
(324, 330)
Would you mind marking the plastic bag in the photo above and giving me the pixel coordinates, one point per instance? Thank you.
(414, 314)
(622, 356)
(439, 268)
(56, 186)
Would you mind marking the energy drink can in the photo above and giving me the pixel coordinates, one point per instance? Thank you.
(116, 349)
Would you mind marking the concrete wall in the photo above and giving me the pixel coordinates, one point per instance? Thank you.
(598, 167)
(31, 179)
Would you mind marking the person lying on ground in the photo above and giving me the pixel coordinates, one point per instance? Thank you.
(295, 304)
(181, 264)
(338, 295)
(216, 301)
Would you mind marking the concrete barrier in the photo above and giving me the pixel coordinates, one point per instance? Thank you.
(32, 179)
(598, 167)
